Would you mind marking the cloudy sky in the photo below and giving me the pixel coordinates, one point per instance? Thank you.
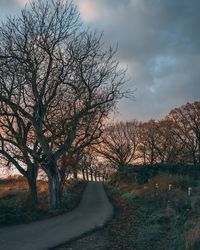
(159, 42)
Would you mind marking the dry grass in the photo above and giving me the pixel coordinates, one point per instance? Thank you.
(193, 237)
(14, 190)
(15, 207)
(179, 183)
(167, 219)
(7, 186)
(10, 184)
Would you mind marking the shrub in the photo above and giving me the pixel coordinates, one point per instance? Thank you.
(193, 238)
(68, 200)
(130, 197)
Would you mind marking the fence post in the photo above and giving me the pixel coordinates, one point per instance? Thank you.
(169, 192)
(189, 194)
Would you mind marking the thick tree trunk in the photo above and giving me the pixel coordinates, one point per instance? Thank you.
(32, 174)
(62, 188)
(33, 195)
(54, 191)
(63, 175)
(54, 185)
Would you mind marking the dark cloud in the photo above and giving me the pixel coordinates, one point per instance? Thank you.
(6, 4)
(9, 7)
(159, 40)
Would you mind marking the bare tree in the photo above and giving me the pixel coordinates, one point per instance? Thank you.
(187, 130)
(47, 61)
(167, 146)
(119, 144)
(19, 148)
(148, 141)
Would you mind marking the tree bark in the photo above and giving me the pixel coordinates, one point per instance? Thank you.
(33, 194)
(75, 174)
(32, 174)
(54, 185)
(87, 174)
(199, 153)
(91, 175)
(194, 158)
(83, 174)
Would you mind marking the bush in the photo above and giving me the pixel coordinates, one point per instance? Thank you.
(193, 237)
(10, 214)
(130, 197)
(124, 194)
(67, 201)
(114, 190)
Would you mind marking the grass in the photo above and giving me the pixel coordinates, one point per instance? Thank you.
(15, 207)
(165, 220)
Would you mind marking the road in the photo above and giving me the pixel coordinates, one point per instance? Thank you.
(93, 212)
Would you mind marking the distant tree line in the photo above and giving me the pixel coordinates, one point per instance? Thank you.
(172, 140)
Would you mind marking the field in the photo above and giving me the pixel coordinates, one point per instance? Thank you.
(15, 206)
(152, 216)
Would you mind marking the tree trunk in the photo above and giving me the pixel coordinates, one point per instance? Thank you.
(75, 173)
(87, 174)
(194, 158)
(54, 192)
(62, 188)
(63, 173)
(83, 174)
(91, 174)
(152, 158)
(54, 185)
(33, 195)
(144, 158)
(199, 153)
(32, 174)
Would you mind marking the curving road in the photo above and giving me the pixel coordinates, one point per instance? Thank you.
(93, 212)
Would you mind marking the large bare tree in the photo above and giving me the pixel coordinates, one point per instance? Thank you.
(55, 75)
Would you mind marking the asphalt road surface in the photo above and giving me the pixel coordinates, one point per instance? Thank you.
(93, 211)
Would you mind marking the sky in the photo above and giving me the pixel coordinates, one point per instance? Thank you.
(159, 43)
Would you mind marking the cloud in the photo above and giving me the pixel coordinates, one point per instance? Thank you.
(22, 2)
(158, 40)
(160, 43)
(89, 10)
(11, 7)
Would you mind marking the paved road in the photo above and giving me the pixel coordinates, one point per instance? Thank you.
(94, 210)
